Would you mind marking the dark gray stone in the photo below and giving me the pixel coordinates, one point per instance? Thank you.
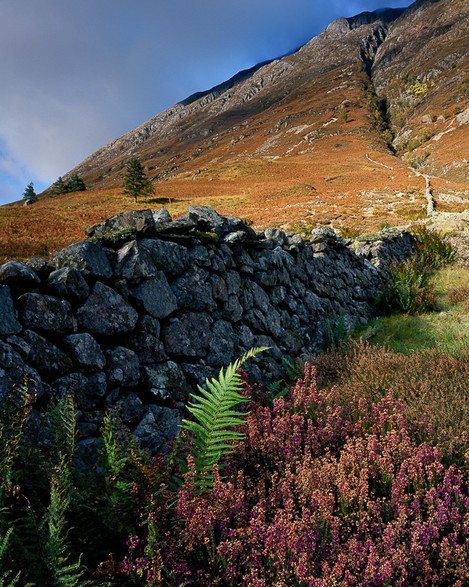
(40, 266)
(20, 345)
(130, 408)
(145, 340)
(45, 356)
(86, 390)
(232, 310)
(89, 257)
(141, 222)
(158, 428)
(222, 344)
(106, 313)
(68, 283)
(187, 335)
(85, 351)
(88, 454)
(8, 322)
(155, 296)
(205, 219)
(18, 274)
(161, 217)
(123, 367)
(219, 288)
(172, 258)
(198, 374)
(193, 290)
(45, 313)
(233, 238)
(134, 261)
(166, 381)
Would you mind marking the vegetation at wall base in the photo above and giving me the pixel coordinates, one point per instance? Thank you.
(409, 286)
(362, 454)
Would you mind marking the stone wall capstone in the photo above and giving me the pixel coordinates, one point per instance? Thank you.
(146, 307)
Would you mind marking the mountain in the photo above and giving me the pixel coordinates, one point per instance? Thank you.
(333, 133)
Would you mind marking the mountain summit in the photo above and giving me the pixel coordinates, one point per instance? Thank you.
(335, 132)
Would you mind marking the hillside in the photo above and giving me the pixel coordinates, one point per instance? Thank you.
(325, 135)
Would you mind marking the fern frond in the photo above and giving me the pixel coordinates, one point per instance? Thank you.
(64, 573)
(7, 578)
(63, 425)
(216, 415)
(13, 420)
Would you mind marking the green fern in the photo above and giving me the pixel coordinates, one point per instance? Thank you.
(7, 578)
(12, 423)
(62, 419)
(216, 416)
(64, 573)
(118, 456)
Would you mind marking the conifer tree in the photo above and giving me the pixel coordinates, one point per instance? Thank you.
(136, 182)
(59, 187)
(76, 184)
(29, 195)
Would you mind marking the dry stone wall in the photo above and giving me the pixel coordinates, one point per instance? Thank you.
(145, 307)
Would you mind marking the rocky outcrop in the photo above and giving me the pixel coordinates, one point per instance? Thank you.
(136, 324)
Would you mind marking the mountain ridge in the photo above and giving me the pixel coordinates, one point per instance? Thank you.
(351, 130)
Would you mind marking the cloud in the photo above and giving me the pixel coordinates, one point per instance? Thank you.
(77, 74)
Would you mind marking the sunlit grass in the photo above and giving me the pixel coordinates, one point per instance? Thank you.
(446, 329)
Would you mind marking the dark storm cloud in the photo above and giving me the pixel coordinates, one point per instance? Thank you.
(76, 74)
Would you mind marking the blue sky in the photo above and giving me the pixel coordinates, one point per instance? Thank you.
(77, 74)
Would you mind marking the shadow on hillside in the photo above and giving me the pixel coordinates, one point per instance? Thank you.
(162, 200)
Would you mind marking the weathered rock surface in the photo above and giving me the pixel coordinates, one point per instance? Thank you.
(8, 322)
(106, 313)
(137, 325)
(68, 283)
(89, 257)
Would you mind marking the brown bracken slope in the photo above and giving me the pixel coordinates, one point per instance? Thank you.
(330, 134)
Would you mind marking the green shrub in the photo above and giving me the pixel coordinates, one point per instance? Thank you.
(336, 330)
(408, 289)
(432, 248)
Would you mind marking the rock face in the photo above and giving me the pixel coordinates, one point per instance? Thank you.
(138, 324)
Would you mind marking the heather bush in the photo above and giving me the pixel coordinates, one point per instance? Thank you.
(316, 494)
(430, 384)
(317, 485)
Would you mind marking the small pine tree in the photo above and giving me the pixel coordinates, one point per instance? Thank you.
(29, 194)
(136, 182)
(59, 187)
(76, 184)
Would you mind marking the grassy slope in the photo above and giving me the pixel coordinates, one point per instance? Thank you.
(446, 329)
